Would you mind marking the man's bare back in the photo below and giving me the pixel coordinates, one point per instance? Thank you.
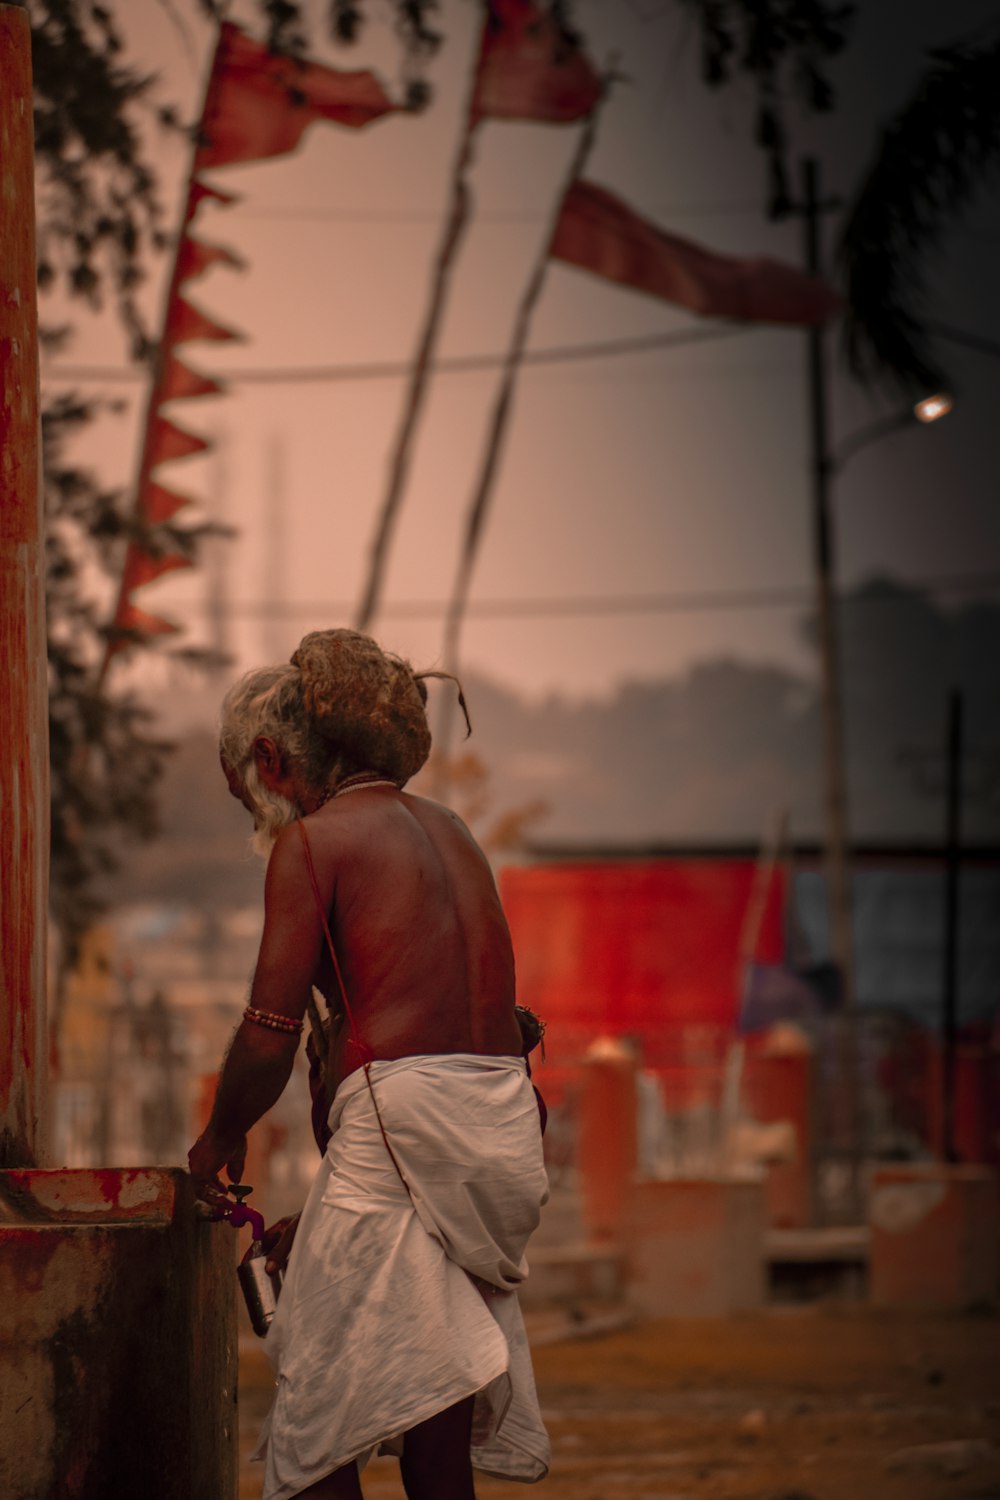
(416, 921)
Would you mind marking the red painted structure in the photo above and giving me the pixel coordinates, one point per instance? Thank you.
(23, 708)
(643, 948)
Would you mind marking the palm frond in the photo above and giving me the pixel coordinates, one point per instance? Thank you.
(930, 162)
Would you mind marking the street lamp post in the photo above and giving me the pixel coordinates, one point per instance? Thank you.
(824, 466)
(841, 935)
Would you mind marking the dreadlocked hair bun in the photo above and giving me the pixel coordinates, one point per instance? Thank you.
(364, 701)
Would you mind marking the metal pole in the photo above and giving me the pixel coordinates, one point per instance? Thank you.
(24, 790)
(953, 841)
(846, 1121)
(841, 936)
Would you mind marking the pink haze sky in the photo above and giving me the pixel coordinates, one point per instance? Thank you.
(682, 472)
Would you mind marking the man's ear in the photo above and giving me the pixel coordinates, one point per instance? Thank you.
(267, 756)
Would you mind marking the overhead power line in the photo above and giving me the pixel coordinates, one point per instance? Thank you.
(465, 363)
(494, 216)
(700, 601)
(397, 369)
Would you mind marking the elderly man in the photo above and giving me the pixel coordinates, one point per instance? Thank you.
(398, 1328)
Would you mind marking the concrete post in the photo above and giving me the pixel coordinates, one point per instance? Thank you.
(118, 1339)
(23, 700)
(935, 1234)
(607, 1138)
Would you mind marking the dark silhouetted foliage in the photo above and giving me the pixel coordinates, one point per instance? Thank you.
(932, 158)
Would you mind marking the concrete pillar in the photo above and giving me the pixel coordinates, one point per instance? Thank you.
(607, 1138)
(117, 1336)
(779, 1087)
(118, 1339)
(935, 1235)
(695, 1247)
(24, 834)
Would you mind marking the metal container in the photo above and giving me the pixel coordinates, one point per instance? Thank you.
(260, 1290)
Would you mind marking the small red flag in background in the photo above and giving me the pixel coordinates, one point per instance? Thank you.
(185, 323)
(258, 105)
(202, 190)
(528, 70)
(131, 620)
(598, 232)
(162, 503)
(143, 567)
(178, 382)
(194, 257)
(167, 442)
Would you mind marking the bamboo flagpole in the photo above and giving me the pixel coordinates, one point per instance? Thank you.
(402, 450)
(526, 69)
(479, 507)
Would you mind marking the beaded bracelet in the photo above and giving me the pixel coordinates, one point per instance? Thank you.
(272, 1021)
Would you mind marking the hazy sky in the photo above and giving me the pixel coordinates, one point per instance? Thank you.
(676, 473)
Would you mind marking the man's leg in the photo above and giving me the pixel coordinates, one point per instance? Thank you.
(435, 1463)
(343, 1484)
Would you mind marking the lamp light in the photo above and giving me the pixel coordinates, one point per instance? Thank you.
(932, 408)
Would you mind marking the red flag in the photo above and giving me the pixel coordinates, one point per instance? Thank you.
(142, 567)
(167, 442)
(258, 105)
(178, 382)
(129, 619)
(159, 504)
(200, 191)
(528, 70)
(185, 322)
(598, 232)
(194, 258)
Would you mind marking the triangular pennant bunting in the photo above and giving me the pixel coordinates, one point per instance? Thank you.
(194, 258)
(163, 504)
(185, 323)
(168, 441)
(142, 567)
(199, 191)
(131, 621)
(179, 383)
(256, 106)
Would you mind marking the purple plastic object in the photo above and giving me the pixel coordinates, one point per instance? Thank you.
(238, 1214)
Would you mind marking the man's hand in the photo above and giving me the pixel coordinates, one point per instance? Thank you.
(208, 1156)
(277, 1243)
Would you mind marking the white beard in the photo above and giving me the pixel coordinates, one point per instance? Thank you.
(271, 813)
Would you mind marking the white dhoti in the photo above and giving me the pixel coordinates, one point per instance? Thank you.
(379, 1325)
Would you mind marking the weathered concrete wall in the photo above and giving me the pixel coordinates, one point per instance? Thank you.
(695, 1247)
(935, 1236)
(117, 1339)
(24, 831)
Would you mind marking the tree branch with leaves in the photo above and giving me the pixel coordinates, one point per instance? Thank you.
(932, 159)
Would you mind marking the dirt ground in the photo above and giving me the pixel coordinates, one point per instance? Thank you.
(805, 1402)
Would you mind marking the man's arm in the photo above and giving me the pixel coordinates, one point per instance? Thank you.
(259, 1062)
